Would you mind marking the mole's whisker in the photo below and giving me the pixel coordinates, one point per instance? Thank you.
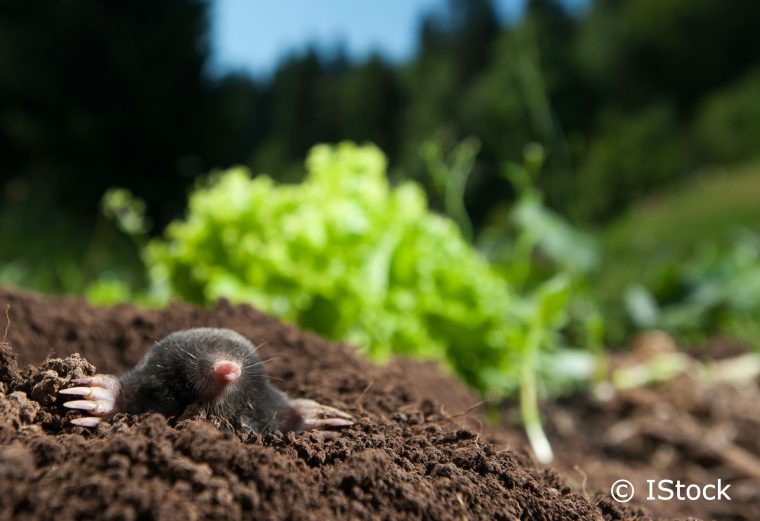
(256, 348)
(188, 353)
(269, 422)
(262, 362)
(175, 344)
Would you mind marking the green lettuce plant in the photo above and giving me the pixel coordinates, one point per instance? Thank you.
(344, 254)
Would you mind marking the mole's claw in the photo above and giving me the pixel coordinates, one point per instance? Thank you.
(85, 405)
(332, 422)
(318, 416)
(99, 380)
(76, 390)
(89, 421)
(326, 409)
(99, 397)
(97, 393)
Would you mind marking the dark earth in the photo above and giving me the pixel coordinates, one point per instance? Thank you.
(420, 448)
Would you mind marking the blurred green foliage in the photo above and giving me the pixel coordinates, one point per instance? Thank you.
(94, 95)
(655, 255)
(626, 97)
(728, 121)
(64, 254)
(632, 155)
(632, 100)
(126, 210)
(713, 289)
(346, 255)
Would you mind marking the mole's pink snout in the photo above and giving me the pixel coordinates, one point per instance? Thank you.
(226, 371)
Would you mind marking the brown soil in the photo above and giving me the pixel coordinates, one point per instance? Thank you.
(415, 451)
(406, 457)
(686, 429)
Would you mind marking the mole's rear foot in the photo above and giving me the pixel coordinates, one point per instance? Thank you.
(99, 398)
(314, 415)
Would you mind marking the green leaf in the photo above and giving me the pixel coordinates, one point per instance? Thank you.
(552, 297)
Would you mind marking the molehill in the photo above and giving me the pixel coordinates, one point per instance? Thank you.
(416, 450)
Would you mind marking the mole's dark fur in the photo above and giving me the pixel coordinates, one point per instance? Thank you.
(177, 373)
(216, 371)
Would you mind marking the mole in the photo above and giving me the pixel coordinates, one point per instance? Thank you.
(202, 369)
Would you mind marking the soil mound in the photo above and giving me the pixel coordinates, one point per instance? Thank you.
(408, 456)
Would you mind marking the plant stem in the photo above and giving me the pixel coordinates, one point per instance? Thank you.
(529, 398)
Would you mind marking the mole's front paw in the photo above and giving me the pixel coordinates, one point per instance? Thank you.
(314, 415)
(99, 398)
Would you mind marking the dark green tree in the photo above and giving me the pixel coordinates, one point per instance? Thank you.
(94, 94)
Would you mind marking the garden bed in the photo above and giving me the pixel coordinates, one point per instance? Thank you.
(692, 428)
(419, 449)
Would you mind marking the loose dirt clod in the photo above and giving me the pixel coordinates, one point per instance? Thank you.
(8, 365)
(404, 458)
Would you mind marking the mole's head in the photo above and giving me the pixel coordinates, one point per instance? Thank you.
(212, 363)
(216, 369)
